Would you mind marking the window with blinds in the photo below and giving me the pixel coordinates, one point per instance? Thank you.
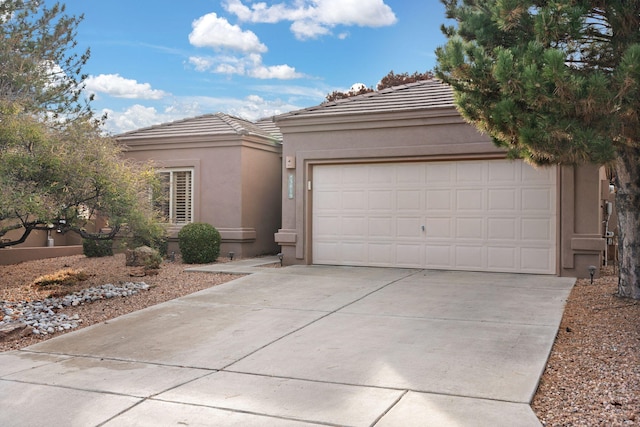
(176, 201)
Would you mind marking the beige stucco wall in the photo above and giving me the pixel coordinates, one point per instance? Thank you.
(426, 135)
(236, 180)
(581, 241)
(36, 246)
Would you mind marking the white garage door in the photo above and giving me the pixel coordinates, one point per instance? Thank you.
(488, 215)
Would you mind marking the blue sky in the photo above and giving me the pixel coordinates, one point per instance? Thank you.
(155, 61)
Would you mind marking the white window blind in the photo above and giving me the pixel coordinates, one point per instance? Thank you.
(177, 202)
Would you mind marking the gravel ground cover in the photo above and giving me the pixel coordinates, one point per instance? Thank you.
(592, 377)
(170, 282)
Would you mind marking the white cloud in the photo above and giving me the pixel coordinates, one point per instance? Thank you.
(201, 63)
(213, 31)
(314, 18)
(119, 87)
(282, 72)
(308, 29)
(250, 65)
(311, 94)
(253, 107)
(135, 117)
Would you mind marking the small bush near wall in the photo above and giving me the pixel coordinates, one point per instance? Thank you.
(97, 248)
(199, 243)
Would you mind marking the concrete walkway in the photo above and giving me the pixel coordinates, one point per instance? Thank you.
(302, 346)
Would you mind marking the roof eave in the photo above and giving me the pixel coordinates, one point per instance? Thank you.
(370, 120)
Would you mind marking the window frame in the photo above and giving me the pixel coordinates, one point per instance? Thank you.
(171, 198)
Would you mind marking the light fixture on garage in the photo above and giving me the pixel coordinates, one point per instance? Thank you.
(592, 272)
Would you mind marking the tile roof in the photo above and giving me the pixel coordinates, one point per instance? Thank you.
(420, 95)
(208, 124)
(268, 124)
(426, 94)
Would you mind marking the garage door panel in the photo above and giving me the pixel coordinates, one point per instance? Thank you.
(535, 260)
(469, 257)
(536, 199)
(330, 178)
(439, 256)
(381, 200)
(489, 215)
(381, 254)
(439, 199)
(440, 173)
(326, 252)
(381, 228)
(411, 174)
(470, 173)
(469, 228)
(501, 173)
(328, 199)
(354, 253)
(355, 175)
(328, 226)
(438, 228)
(542, 175)
(354, 200)
(536, 229)
(502, 199)
(409, 254)
(408, 200)
(469, 200)
(502, 258)
(383, 175)
(502, 228)
(356, 226)
(409, 227)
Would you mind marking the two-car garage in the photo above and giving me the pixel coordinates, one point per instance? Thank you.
(398, 178)
(482, 215)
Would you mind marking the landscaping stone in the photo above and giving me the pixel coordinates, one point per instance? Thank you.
(143, 256)
(41, 318)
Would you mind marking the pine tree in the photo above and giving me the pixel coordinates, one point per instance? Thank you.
(555, 82)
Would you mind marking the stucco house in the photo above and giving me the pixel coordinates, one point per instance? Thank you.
(397, 178)
(217, 169)
(394, 178)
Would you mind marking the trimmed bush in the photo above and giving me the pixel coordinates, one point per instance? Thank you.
(199, 243)
(97, 248)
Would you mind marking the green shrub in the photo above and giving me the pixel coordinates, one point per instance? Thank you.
(149, 234)
(199, 243)
(153, 263)
(97, 248)
(159, 243)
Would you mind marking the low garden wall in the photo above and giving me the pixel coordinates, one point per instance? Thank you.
(13, 255)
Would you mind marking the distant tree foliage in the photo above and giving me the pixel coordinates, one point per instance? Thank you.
(39, 68)
(393, 79)
(387, 81)
(58, 171)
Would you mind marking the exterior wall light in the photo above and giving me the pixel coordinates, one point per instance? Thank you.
(592, 272)
(280, 256)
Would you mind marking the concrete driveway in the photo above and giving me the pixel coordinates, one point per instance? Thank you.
(303, 346)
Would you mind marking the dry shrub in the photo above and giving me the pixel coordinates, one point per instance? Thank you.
(65, 277)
